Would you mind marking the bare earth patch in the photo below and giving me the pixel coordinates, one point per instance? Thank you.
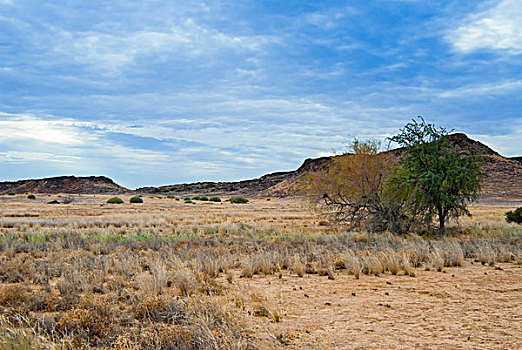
(470, 307)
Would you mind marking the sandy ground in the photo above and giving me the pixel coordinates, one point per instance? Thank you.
(470, 307)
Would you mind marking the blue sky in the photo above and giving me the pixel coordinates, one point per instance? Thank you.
(163, 92)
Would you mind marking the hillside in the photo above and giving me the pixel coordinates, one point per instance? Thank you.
(504, 183)
(63, 184)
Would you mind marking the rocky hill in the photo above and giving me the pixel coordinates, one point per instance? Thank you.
(63, 184)
(504, 183)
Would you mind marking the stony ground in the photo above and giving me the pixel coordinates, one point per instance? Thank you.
(470, 307)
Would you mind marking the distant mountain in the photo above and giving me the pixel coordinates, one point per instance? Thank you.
(63, 184)
(504, 183)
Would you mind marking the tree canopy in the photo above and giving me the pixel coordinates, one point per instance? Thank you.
(437, 179)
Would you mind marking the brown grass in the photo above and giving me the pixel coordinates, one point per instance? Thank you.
(167, 274)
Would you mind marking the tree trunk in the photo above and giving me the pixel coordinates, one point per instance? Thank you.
(442, 220)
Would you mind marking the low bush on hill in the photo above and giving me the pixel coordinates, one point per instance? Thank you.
(214, 199)
(115, 200)
(514, 216)
(31, 196)
(238, 200)
(11, 193)
(136, 200)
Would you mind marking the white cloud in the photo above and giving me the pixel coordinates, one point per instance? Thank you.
(495, 88)
(26, 127)
(498, 28)
(114, 52)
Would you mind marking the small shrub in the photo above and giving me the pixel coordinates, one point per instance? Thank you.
(170, 197)
(188, 200)
(196, 198)
(238, 200)
(514, 216)
(136, 200)
(31, 196)
(203, 198)
(11, 193)
(115, 200)
(214, 199)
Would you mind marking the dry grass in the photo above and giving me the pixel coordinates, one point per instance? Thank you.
(164, 274)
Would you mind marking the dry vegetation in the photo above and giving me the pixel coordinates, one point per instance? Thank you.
(170, 275)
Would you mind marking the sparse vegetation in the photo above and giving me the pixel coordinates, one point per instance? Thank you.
(115, 200)
(11, 193)
(214, 199)
(136, 200)
(238, 200)
(119, 278)
(31, 196)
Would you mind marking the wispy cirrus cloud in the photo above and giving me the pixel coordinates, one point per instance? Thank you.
(496, 28)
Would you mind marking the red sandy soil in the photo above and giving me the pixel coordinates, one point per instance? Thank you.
(470, 307)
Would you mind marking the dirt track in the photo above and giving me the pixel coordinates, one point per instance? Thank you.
(471, 307)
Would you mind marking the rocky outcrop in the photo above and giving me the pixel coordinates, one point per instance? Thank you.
(64, 184)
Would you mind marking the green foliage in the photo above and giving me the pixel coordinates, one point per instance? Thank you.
(238, 200)
(170, 197)
(31, 196)
(115, 200)
(203, 198)
(514, 216)
(188, 200)
(11, 193)
(214, 199)
(196, 198)
(136, 200)
(436, 179)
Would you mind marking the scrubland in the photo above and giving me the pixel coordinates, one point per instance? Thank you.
(166, 274)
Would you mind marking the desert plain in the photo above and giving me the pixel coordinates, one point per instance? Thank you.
(268, 274)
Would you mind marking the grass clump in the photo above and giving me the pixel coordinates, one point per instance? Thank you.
(115, 200)
(31, 196)
(238, 200)
(214, 199)
(136, 200)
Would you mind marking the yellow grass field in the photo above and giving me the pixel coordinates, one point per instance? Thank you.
(263, 275)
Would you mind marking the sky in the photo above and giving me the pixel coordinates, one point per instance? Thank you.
(164, 92)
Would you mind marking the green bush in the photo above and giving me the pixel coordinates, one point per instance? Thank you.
(188, 200)
(115, 200)
(136, 200)
(11, 193)
(31, 196)
(238, 200)
(196, 198)
(215, 199)
(203, 198)
(514, 216)
(170, 197)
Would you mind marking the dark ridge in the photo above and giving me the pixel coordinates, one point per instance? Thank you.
(63, 184)
(518, 159)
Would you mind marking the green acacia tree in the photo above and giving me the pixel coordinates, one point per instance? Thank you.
(436, 178)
